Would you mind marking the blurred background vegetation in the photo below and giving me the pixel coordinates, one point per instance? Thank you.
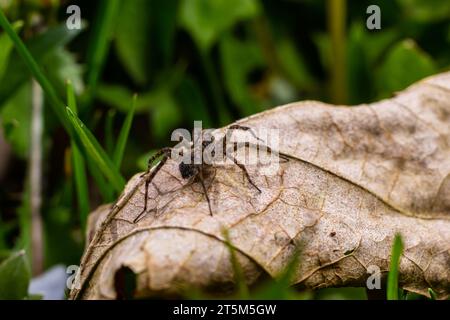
(209, 60)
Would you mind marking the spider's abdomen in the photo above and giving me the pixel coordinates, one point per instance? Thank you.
(187, 170)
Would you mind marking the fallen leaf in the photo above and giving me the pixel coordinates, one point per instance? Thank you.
(356, 177)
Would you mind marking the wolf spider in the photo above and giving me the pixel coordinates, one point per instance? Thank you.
(194, 170)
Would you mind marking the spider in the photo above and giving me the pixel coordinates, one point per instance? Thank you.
(193, 170)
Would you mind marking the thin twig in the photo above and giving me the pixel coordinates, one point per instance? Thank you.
(36, 178)
(336, 24)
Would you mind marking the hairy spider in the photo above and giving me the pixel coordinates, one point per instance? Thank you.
(196, 170)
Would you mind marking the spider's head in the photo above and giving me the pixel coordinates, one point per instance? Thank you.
(187, 170)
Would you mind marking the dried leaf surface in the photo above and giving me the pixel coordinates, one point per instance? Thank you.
(355, 178)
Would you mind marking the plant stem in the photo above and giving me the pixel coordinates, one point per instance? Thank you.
(336, 26)
(392, 281)
(79, 166)
(99, 45)
(36, 178)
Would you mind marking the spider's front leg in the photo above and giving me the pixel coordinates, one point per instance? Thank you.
(282, 156)
(244, 169)
(244, 128)
(165, 154)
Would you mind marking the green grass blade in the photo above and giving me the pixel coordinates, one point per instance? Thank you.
(103, 186)
(123, 135)
(285, 278)
(243, 291)
(99, 43)
(392, 282)
(50, 92)
(280, 287)
(109, 132)
(337, 15)
(433, 295)
(79, 167)
(96, 152)
(71, 99)
(81, 185)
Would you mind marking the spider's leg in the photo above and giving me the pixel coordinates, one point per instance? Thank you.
(165, 152)
(283, 156)
(202, 182)
(243, 128)
(244, 169)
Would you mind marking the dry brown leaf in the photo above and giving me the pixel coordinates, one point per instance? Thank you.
(357, 176)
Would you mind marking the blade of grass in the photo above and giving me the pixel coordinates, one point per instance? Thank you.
(99, 44)
(336, 16)
(433, 295)
(96, 152)
(392, 282)
(55, 101)
(280, 287)
(79, 167)
(123, 135)
(285, 278)
(243, 291)
(81, 185)
(109, 135)
(105, 189)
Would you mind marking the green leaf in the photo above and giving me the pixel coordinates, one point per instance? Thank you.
(7, 45)
(293, 64)
(239, 59)
(323, 44)
(15, 276)
(164, 22)
(165, 116)
(426, 11)
(206, 20)
(132, 38)
(96, 153)
(79, 167)
(62, 66)
(364, 49)
(123, 135)
(405, 64)
(17, 71)
(190, 96)
(392, 282)
(119, 97)
(16, 120)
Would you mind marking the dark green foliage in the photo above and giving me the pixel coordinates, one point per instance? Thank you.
(14, 276)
